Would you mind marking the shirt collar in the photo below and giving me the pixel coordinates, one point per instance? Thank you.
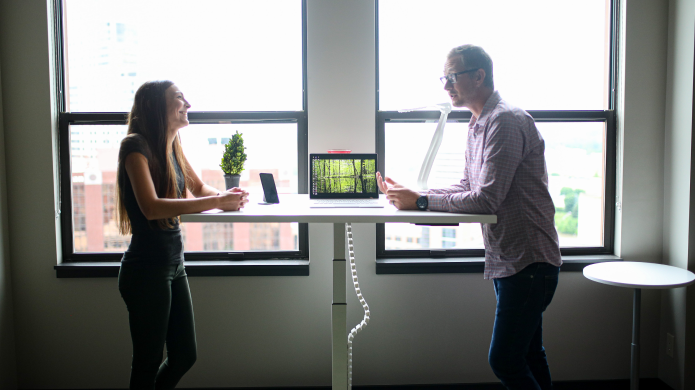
(490, 104)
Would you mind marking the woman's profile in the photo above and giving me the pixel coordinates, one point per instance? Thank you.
(153, 175)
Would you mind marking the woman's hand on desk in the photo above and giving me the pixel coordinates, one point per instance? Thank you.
(233, 199)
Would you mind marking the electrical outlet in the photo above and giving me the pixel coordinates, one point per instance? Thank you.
(670, 340)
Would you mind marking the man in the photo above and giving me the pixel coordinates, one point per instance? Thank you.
(505, 174)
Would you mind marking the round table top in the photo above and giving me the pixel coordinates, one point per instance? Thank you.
(638, 275)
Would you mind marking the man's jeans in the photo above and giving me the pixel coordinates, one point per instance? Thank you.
(517, 355)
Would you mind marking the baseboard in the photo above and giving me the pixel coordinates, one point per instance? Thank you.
(615, 384)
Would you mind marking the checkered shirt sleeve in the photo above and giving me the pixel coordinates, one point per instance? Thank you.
(505, 174)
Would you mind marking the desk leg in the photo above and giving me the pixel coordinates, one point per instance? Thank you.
(339, 309)
(634, 369)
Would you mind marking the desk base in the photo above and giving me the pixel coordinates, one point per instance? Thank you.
(634, 353)
(339, 310)
(340, 363)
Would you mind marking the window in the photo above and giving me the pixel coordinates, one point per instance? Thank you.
(564, 79)
(220, 53)
(449, 233)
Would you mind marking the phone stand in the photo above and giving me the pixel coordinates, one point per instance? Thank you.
(270, 193)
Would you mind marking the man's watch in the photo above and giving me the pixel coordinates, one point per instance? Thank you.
(422, 203)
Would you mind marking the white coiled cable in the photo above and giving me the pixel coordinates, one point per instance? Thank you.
(365, 320)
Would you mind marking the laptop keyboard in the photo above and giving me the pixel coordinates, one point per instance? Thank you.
(345, 201)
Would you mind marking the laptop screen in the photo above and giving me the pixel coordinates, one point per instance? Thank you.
(343, 176)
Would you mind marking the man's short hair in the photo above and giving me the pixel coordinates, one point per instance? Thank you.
(475, 57)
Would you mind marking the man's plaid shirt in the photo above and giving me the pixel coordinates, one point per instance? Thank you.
(505, 175)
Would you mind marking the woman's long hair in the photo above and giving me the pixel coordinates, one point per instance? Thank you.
(147, 127)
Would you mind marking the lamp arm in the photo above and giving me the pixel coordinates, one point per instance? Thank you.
(445, 109)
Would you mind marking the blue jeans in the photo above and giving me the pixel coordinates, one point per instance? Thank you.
(160, 312)
(517, 356)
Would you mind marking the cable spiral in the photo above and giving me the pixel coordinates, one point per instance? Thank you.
(365, 320)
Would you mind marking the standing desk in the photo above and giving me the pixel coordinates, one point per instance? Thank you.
(295, 208)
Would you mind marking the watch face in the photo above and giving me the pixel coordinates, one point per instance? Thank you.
(422, 202)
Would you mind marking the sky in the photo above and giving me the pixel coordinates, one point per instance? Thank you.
(547, 54)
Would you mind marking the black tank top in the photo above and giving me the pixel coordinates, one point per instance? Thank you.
(149, 243)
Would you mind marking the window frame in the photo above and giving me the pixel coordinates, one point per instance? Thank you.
(88, 264)
(470, 260)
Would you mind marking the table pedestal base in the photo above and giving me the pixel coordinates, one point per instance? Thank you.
(634, 353)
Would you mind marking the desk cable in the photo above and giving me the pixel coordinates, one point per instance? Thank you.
(444, 109)
(365, 320)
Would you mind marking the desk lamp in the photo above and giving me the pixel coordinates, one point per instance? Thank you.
(444, 109)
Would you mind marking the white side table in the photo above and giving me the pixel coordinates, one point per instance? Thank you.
(638, 276)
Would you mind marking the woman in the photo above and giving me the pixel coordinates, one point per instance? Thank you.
(153, 175)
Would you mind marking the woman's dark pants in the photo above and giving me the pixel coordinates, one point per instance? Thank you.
(160, 312)
(517, 355)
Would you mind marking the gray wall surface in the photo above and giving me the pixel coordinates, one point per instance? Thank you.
(8, 366)
(640, 108)
(275, 331)
(678, 206)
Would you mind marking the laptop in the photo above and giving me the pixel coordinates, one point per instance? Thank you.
(343, 180)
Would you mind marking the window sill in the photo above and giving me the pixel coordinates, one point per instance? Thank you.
(471, 264)
(301, 267)
(193, 268)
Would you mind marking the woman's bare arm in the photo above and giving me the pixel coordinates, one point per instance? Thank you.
(154, 207)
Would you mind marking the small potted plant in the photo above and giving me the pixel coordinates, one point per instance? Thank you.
(233, 160)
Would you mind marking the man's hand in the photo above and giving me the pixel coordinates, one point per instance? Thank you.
(385, 184)
(401, 197)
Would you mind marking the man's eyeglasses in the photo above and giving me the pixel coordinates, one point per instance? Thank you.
(451, 77)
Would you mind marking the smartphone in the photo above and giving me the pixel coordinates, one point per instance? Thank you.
(270, 193)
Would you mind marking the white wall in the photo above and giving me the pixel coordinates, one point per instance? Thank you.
(640, 153)
(341, 79)
(678, 212)
(275, 331)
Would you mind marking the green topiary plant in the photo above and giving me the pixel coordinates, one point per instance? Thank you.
(234, 157)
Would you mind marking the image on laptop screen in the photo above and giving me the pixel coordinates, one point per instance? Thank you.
(343, 176)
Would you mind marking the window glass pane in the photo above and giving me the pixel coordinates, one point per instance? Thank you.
(406, 145)
(225, 55)
(405, 148)
(278, 157)
(94, 153)
(575, 157)
(547, 54)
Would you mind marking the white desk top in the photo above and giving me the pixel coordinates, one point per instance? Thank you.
(295, 208)
(639, 275)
